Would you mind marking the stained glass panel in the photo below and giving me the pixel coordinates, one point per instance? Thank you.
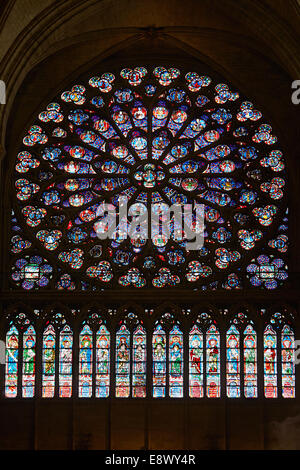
(139, 363)
(203, 359)
(123, 362)
(28, 378)
(11, 362)
(65, 362)
(196, 363)
(159, 362)
(213, 383)
(102, 362)
(85, 362)
(288, 362)
(233, 362)
(48, 380)
(270, 362)
(250, 362)
(175, 363)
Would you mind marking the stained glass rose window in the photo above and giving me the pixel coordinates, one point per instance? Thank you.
(155, 136)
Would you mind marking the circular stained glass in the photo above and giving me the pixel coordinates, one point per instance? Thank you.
(144, 140)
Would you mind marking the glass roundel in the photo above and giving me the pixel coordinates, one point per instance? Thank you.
(155, 137)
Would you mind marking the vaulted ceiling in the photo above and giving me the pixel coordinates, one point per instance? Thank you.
(45, 45)
(246, 41)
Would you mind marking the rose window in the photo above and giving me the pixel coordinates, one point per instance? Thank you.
(155, 136)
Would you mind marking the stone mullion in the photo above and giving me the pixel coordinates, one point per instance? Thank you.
(185, 361)
(279, 362)
(75, 362)
(20, 363)
(38, 362)
(57, 363)
(94, 361)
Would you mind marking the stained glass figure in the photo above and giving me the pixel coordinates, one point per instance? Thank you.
(11, 362)
(85, 362)
(102, 362)
(233, 377)
(288, 362)
(65, 362)
(48, 358)
(203, 360)
(175, 363)
(196, 382)
(270, 363)
(250, 362)
(139, 363)
(28, 375)
(159, 362)
(123, 362)
(213, 382)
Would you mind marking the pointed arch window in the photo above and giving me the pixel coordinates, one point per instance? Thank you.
(65, 362)
(241, 357)
(279, 355)
(270, 363)
(196, 378)
(167, 358)
(11, 362)
(213, 372)
(102, 362)
(86, 362)
(94, 357)
(131, 342)
(233, 362)
(139, 364)
(123, 362)
(204, 357)
(288, 362)
(176, 363)
(28, 372)
(48, 359)
(159, 359)
(250, 362)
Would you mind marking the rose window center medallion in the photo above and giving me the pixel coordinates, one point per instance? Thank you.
(149, 176)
